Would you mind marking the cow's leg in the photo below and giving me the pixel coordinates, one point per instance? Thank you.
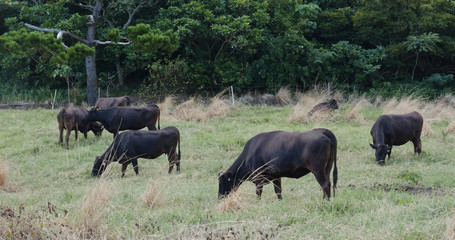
(124, 166)
(259, 186)
(173, 159)
(85, 135)
(324, 181)
(67, 137)
(152, 127)
(389, 151)
(60, 140)
(277, 186)
(417, 145)
(135, 167)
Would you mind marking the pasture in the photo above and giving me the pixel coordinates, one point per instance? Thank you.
(46, 191)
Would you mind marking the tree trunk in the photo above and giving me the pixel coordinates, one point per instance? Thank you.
(118, 66)
(92, 80)
(415, 65)
(90, 61)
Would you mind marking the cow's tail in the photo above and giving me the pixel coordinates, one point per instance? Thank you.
(333, 156)
(179, 154)
(159, 116)
(61, 116)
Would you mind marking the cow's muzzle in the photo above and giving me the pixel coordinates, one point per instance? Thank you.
(381, 162)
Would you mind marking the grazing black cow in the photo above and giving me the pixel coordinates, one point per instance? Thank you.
(73, 119)
(396, 130)
(329, 105)
(116, 119)
(129, 146)
(113, 102)
(272, 155)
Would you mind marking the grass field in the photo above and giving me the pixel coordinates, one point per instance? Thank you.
(46, 191)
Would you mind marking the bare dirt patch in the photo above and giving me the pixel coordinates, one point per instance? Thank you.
(402, 188)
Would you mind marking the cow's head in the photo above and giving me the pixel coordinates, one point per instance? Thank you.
(333, 104)
(226, 184)
(96, 128)
(98, 167)
(381, 152)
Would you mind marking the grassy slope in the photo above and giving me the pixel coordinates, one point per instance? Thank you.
(41, 171)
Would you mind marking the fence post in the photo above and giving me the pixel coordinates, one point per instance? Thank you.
(53, 101)
(232, 93)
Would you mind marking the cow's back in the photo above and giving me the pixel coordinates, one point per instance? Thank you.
(397, 129)
(113, 102)
(287, 154)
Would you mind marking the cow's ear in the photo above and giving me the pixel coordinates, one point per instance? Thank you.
(373, 146)
(228, 175)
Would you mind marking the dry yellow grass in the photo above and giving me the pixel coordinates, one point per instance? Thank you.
(165, 108)
(402, 106)
(353, 113)
(217, 108)
(450, 128)
(233, 202)
(450, 230)
(90, 223)
(191, 110)
(284, 96)
(307, 101)
(153, 196)
(3, 174)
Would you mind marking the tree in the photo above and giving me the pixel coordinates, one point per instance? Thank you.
(58, 14)
(426, 42)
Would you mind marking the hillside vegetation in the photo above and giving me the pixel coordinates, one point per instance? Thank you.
(46, 191)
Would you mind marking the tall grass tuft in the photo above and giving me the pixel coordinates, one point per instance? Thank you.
(3, 174)
(165, 108)
(402, 106)
(353, 114)
(232, 203)
(91, 216)
(450, 128)
(153, 196)
(189, 110)
(217, 108)
(284, 96)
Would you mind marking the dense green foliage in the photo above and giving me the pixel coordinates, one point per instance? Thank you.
(393, 47)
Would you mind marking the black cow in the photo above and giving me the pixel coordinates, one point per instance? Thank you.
(116, 119)
(113, 102)
(396, 130)
(329, 105)
(270, 156)
(129, 146)
(73, 119)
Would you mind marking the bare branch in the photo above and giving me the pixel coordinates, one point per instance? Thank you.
(61, 33)
(131, 15)
(58, 32)
(88, 7)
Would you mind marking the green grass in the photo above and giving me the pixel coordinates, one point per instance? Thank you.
(41, 172)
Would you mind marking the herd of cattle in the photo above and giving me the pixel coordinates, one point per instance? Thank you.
(267, 157)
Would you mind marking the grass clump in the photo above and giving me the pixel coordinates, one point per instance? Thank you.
(153, 196)
(91, 221)
(3, 174)
(235, 201)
